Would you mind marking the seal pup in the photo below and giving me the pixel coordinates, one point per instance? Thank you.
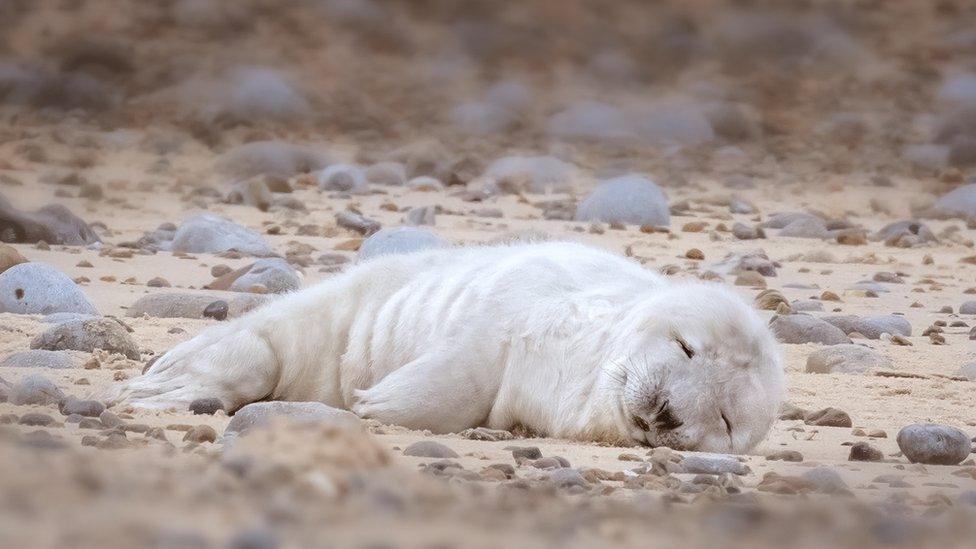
(562, 339)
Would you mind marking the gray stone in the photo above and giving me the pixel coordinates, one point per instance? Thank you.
(251, 192)
(88, 335)
(846, 359)
(87, 408)
(343, 178)
(797, 329)
(567, 477)
(423, 215)
(358, 222)
(186, 305)
(968, 371)
(960, 202)
(736, 263)
(399, 240)
(934, 444)
(38, 359)
(429, 449)
(712, 464)
(54, 224)
(783, 220)
(806, 305)
(805, 228)
(632, 199)
(39, 288)
(968, 308)
(872, 327)
(905, 233)
(386, 173)
(206, 406)
(35, 389)
(829, 417)
(259, 413)
(273, 273)
(862, 451)
(208, 233)
(827, 480)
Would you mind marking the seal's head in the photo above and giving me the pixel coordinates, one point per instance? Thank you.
(701, 372)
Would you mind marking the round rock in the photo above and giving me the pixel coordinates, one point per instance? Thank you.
(259, 413)
(632, 199)
(88, 335)
(187, 305)
(935, 444)
(846, 359)
(208, 233)
(39, 288)
(797, 329)
(429, 449)
(35, 389)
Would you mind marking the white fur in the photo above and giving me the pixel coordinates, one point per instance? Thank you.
(558, 338)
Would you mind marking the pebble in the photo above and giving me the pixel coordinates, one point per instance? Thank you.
(259, 413)
(968, 308)
(533, 174)
(86, 408)
(846, 359)
(274, 273)
(520, 453)
(206, 406)
(862, 451)
(38, 359)
(566, 477)
(217, 310)
(829, 417)
(88, 335)
(399, 240)
(158, 282)
(9, 256)
(35, 389)
(343, 178)
(357, 222)
(110, 420)
(52, 224)
(968, 371)
(785, 455)
(36, 419)
(826, 480)
(801, 328)
(208, 233)
(429, 449)
(632, 199)
(200, 434)
(423, 215)
(936, 444)
(713, 464)
(872, 326)
(39, 288)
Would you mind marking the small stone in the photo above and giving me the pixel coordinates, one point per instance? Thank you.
(36, 419)
(862, 451)
(785, 455)
(158, 282)
(935, 444)
(713, 464)
(216, 310)
(695, 253)
(200, 434)
(218, 271)
(39, 288)
(429, 449)
(846, 359)
(88, 335)
(58, 360)
(87, 408)
(259, 413)
(801, 328)
(826, 480)
(520, 453)
(829, 417)
(110, 420)
(35, 389)
(206, 406)
(565, 477)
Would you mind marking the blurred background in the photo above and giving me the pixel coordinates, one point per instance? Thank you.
(809, 88)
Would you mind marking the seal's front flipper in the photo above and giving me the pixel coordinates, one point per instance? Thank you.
(439, 392)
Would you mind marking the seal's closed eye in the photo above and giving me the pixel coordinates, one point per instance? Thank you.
(665, 419)
(685, 347)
